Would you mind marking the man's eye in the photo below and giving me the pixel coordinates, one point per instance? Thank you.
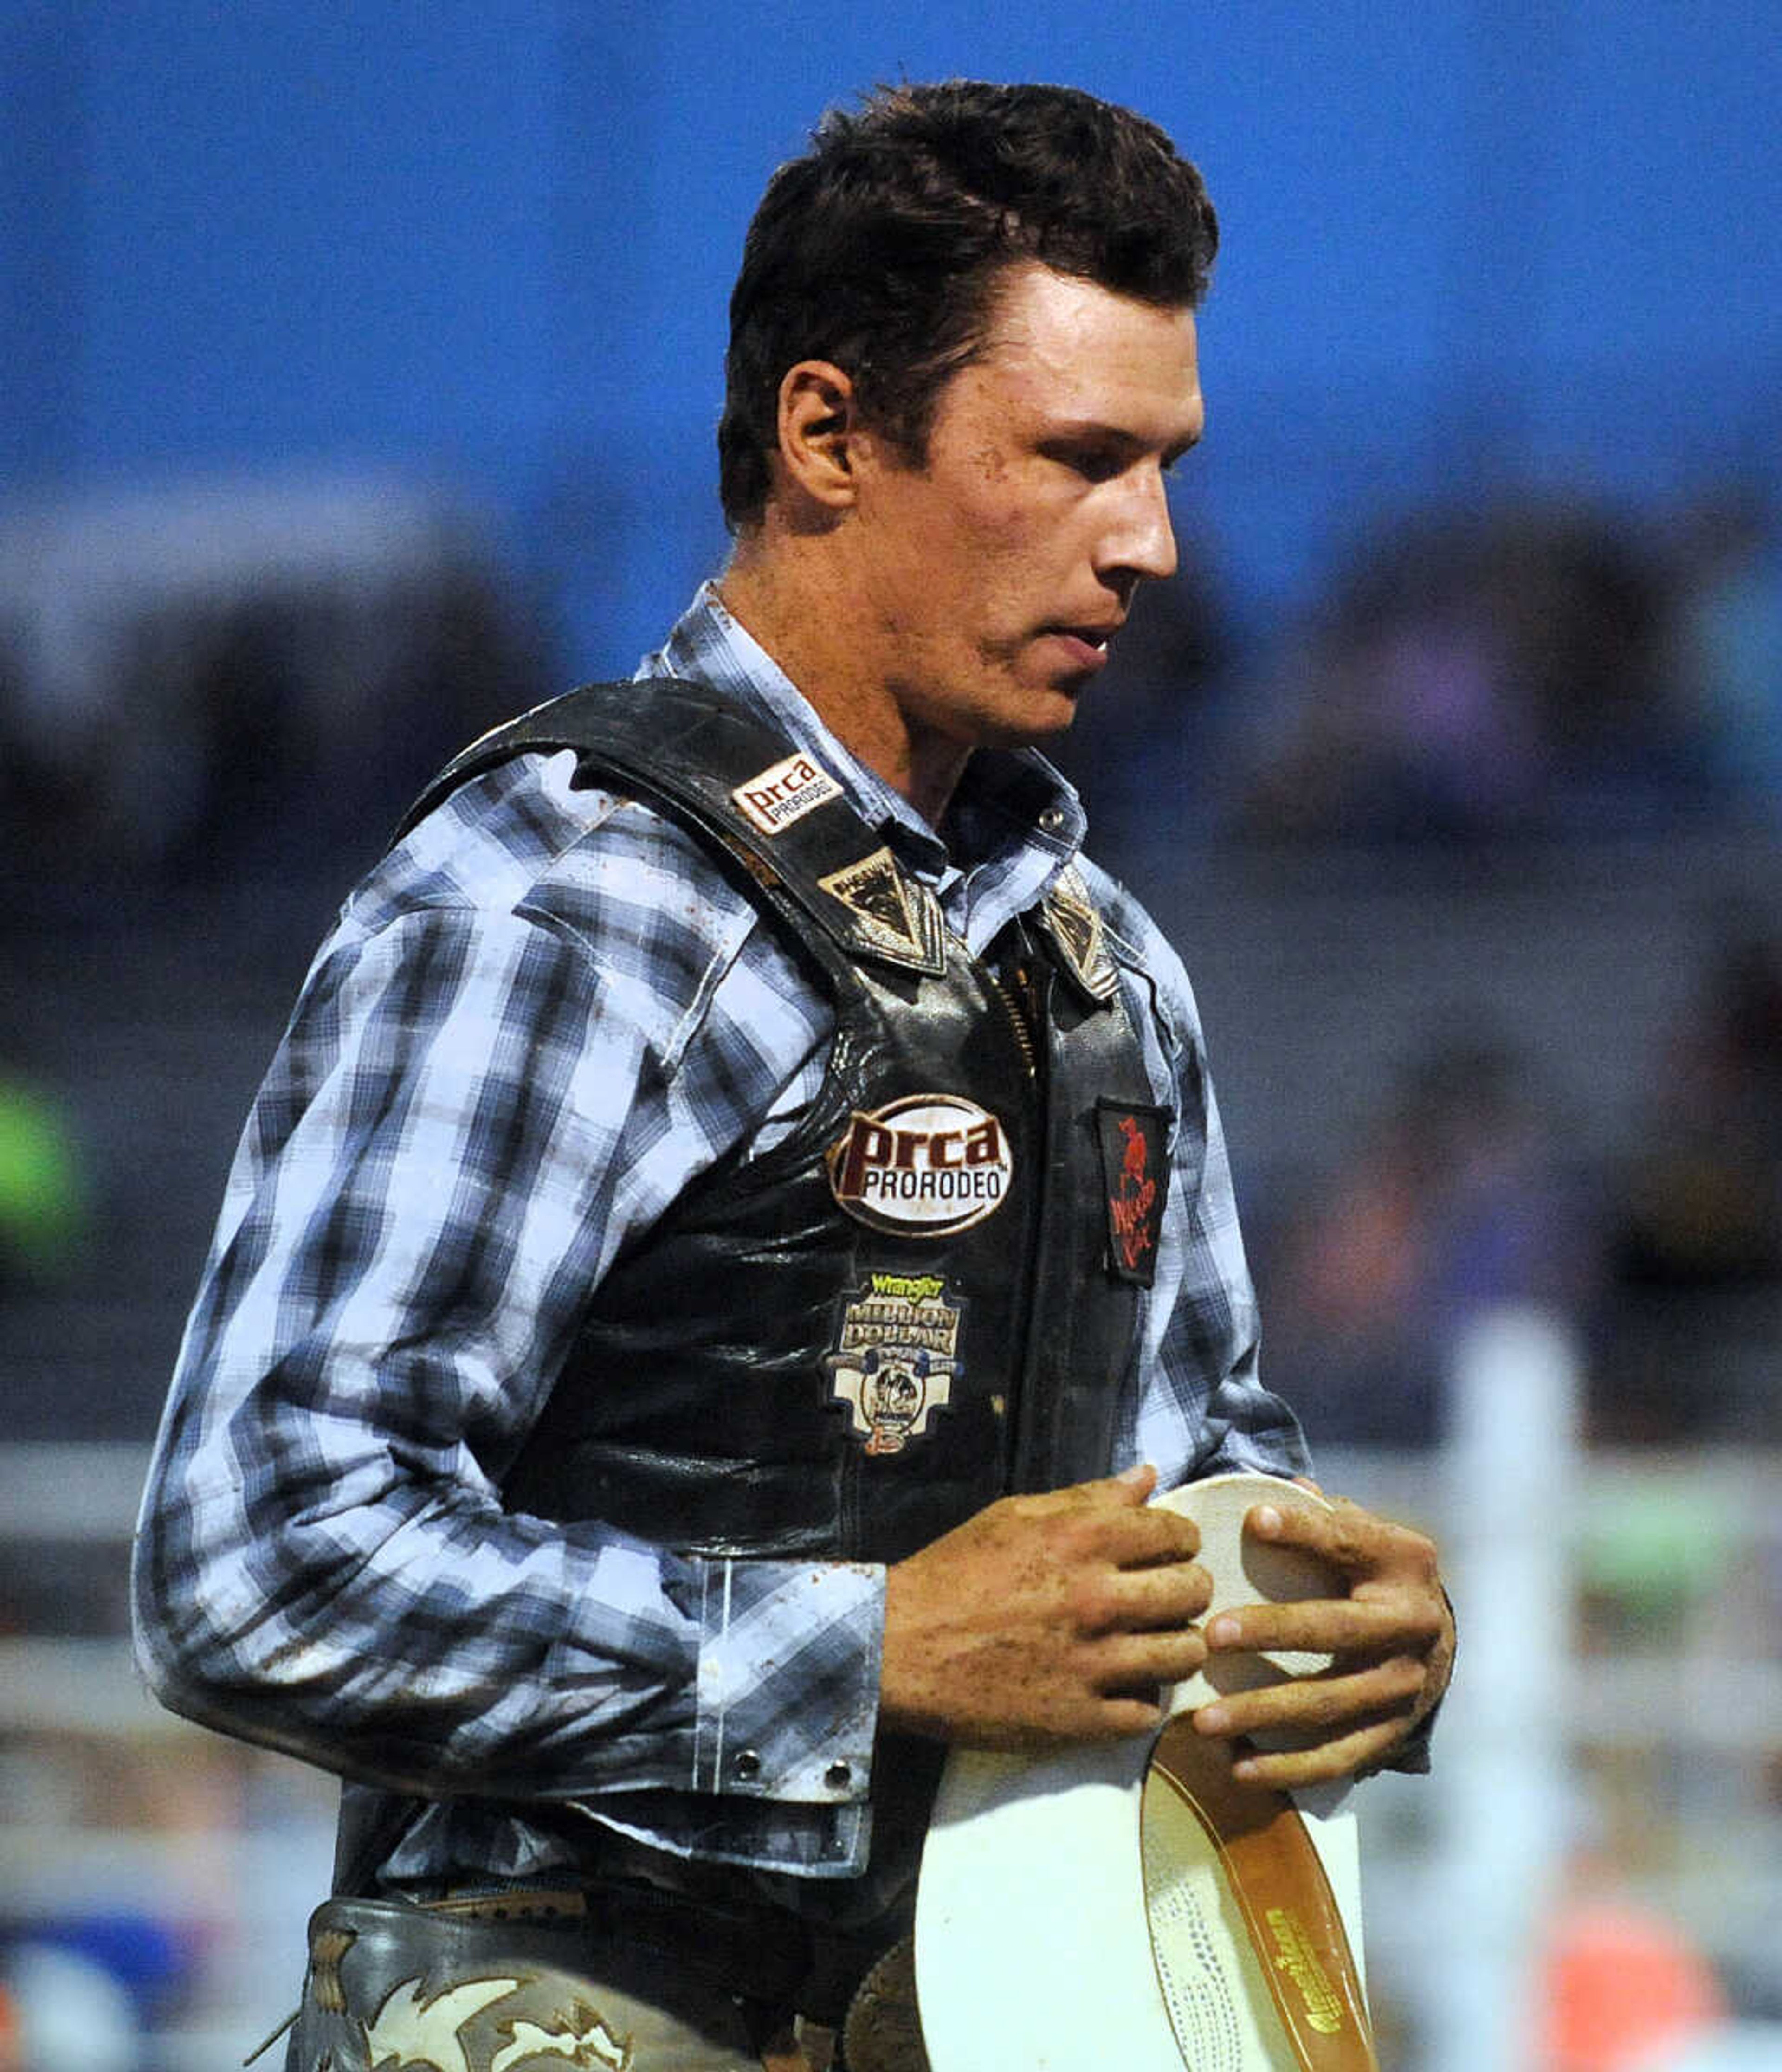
(1093, 463)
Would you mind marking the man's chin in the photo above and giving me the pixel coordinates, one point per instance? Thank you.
(1036, 715)
(1029, 732)
(1054, 714)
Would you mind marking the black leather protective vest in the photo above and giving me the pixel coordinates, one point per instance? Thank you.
(926, 1295)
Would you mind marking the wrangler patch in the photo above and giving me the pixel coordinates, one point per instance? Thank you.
(897, 1358)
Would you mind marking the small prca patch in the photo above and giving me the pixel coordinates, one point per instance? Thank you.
(785, 793)
(897, 1356)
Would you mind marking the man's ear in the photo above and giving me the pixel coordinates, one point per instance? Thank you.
(819, 426)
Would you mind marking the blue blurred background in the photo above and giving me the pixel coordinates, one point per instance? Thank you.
(360, 368)
(1494, 243)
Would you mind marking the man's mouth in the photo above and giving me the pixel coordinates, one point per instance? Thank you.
(1090, 643)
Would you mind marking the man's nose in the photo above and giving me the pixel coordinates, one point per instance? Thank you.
(1141, 541)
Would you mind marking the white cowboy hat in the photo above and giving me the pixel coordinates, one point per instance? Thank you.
(1128, 1904)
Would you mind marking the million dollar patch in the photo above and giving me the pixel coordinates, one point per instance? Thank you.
(896, 1359)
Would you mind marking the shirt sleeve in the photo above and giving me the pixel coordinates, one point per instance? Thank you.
(1202, 1409)
(469, 1112)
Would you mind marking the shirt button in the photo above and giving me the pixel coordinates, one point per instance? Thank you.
(746, 1767)
(838, 1776)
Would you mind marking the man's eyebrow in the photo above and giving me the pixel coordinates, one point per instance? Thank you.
(1096, 432)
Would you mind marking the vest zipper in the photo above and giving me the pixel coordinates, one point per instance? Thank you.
(1018, 1016)
(1021, 1014)
(1024, 1004)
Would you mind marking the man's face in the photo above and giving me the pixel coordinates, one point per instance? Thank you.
(992, 575)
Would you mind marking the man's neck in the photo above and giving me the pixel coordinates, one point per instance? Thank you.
(784, 600)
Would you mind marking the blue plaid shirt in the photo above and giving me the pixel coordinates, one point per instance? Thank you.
(532, 1024)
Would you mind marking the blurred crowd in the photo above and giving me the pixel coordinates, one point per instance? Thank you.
(1462, 1194)
(1536, 670)
(238, 680)
(1533, 671)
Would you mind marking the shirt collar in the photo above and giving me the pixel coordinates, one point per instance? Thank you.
(1007, 798)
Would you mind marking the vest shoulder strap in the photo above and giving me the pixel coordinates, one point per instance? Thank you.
(735, 780)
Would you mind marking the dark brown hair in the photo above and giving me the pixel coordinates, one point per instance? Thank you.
(880, 250)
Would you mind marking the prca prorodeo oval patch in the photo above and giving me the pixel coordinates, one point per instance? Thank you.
(924, 1165)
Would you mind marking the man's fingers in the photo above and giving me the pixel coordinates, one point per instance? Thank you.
(1111, 1717)
(1024, 1624)
(1145, 1599)
(1294, 1769)
(1129, 1662)
(1382, 1692)
(1144, 1538)
(1129, 1490)
(1353, 1538)
(1110, 1518)
(1323, 1626)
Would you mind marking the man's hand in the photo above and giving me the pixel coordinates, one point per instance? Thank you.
(1045, 1619)
(1391, 1639)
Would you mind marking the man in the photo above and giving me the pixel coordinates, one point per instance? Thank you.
(738, 1226)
